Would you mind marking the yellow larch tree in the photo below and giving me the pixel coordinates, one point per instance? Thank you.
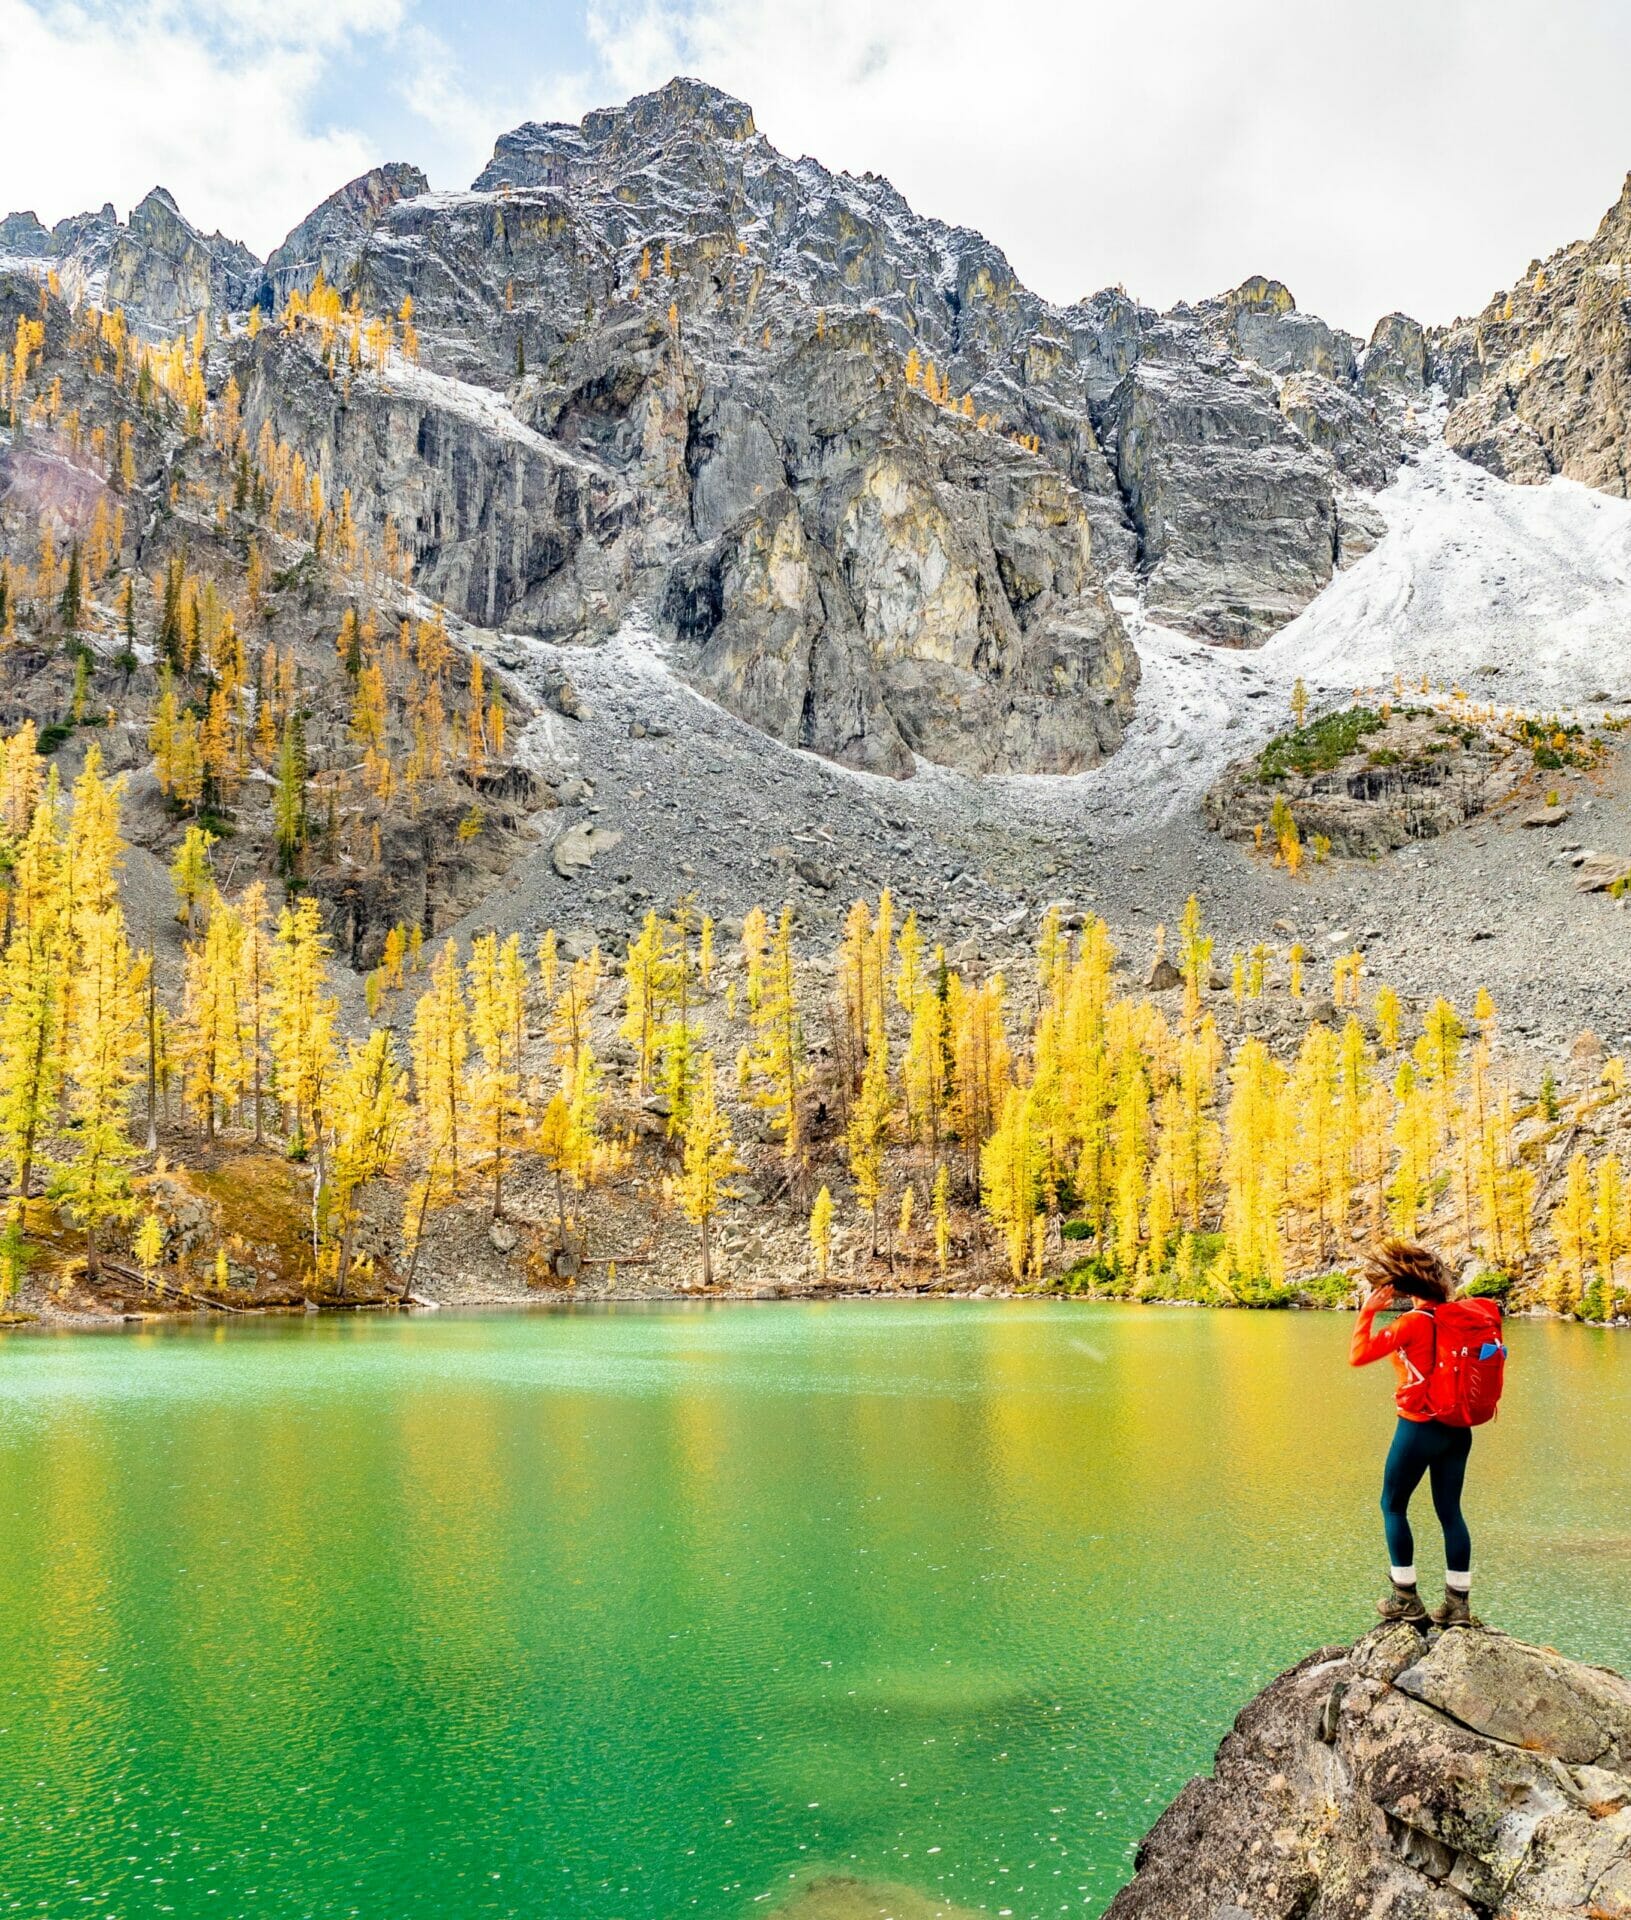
(32, 976)
(441, 1049)
(1010, 1176)
(369, 1116)
(209, 1040)
(868, 1130)
(497, 1111)
(775, 1063)
(709, 1161)
(821, 1233)
(103, 1047)
(193, 877)
(303, 1020)
(1254, 1164)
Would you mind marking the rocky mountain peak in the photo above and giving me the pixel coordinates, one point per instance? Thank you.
(554, 153)
(1260, 292)
(680, 104)
(158, 213)
(23, 237)
(330, 238)
(1615, 226)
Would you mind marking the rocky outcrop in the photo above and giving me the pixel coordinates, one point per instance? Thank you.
(1261, 318)
(506, 526)
(1406, 1778)
(1542, 377)
(159, 268)
(329, 241)
(1369, 782)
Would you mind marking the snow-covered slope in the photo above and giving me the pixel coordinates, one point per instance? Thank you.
(1519, 595)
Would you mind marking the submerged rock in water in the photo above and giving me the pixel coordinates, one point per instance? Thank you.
(841, 1897)
(1442, 1778)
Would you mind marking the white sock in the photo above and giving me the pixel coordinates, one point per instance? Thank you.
(1403, 1576)
(1459, 1582)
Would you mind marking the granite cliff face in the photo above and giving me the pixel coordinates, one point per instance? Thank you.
(1442, 1779)
(1542, 377)
(1194, 472)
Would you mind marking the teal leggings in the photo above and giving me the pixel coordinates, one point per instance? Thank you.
(1427, 1446)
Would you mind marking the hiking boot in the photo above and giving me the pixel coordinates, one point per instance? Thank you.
(1403, 1603)
(1456, 1611)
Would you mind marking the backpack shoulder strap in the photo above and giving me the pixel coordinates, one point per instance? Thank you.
(1424, 1308)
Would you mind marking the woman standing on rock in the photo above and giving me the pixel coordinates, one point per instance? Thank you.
(1449, 1358)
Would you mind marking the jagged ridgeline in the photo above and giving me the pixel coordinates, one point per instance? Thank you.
(873, 491)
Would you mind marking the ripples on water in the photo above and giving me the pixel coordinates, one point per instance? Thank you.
(889, 1609)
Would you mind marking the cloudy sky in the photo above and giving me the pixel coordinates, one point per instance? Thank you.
(1410, 154)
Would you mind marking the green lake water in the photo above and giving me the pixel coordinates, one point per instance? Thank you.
(641, 1613)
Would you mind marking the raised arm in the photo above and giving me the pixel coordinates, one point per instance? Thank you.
(1368, 1344)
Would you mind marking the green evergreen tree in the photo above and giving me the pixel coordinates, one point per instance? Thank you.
(71, 607)
(289, 797)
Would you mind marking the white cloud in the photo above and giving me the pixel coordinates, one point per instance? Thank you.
(104, 107)
(1400, 155)
(466, 113)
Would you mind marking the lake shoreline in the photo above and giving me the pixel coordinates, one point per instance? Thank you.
(554, 1300)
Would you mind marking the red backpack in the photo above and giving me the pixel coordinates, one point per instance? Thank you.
(1463, 1386)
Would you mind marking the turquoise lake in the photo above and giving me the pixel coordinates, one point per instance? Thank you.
(636, 1613)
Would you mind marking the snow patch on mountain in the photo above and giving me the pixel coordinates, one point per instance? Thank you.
(1521, 596)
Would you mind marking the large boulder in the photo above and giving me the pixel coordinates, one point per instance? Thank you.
(1408, 1778)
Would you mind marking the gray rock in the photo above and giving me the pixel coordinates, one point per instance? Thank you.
(329, 240)
(1235, 511)
(1541, 376)
(1397, 1778)
(22, 236)
(164, 272)
(1398, 360)
(577, 848)
(1343, 423)
(505, 525)
(1261, 318)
